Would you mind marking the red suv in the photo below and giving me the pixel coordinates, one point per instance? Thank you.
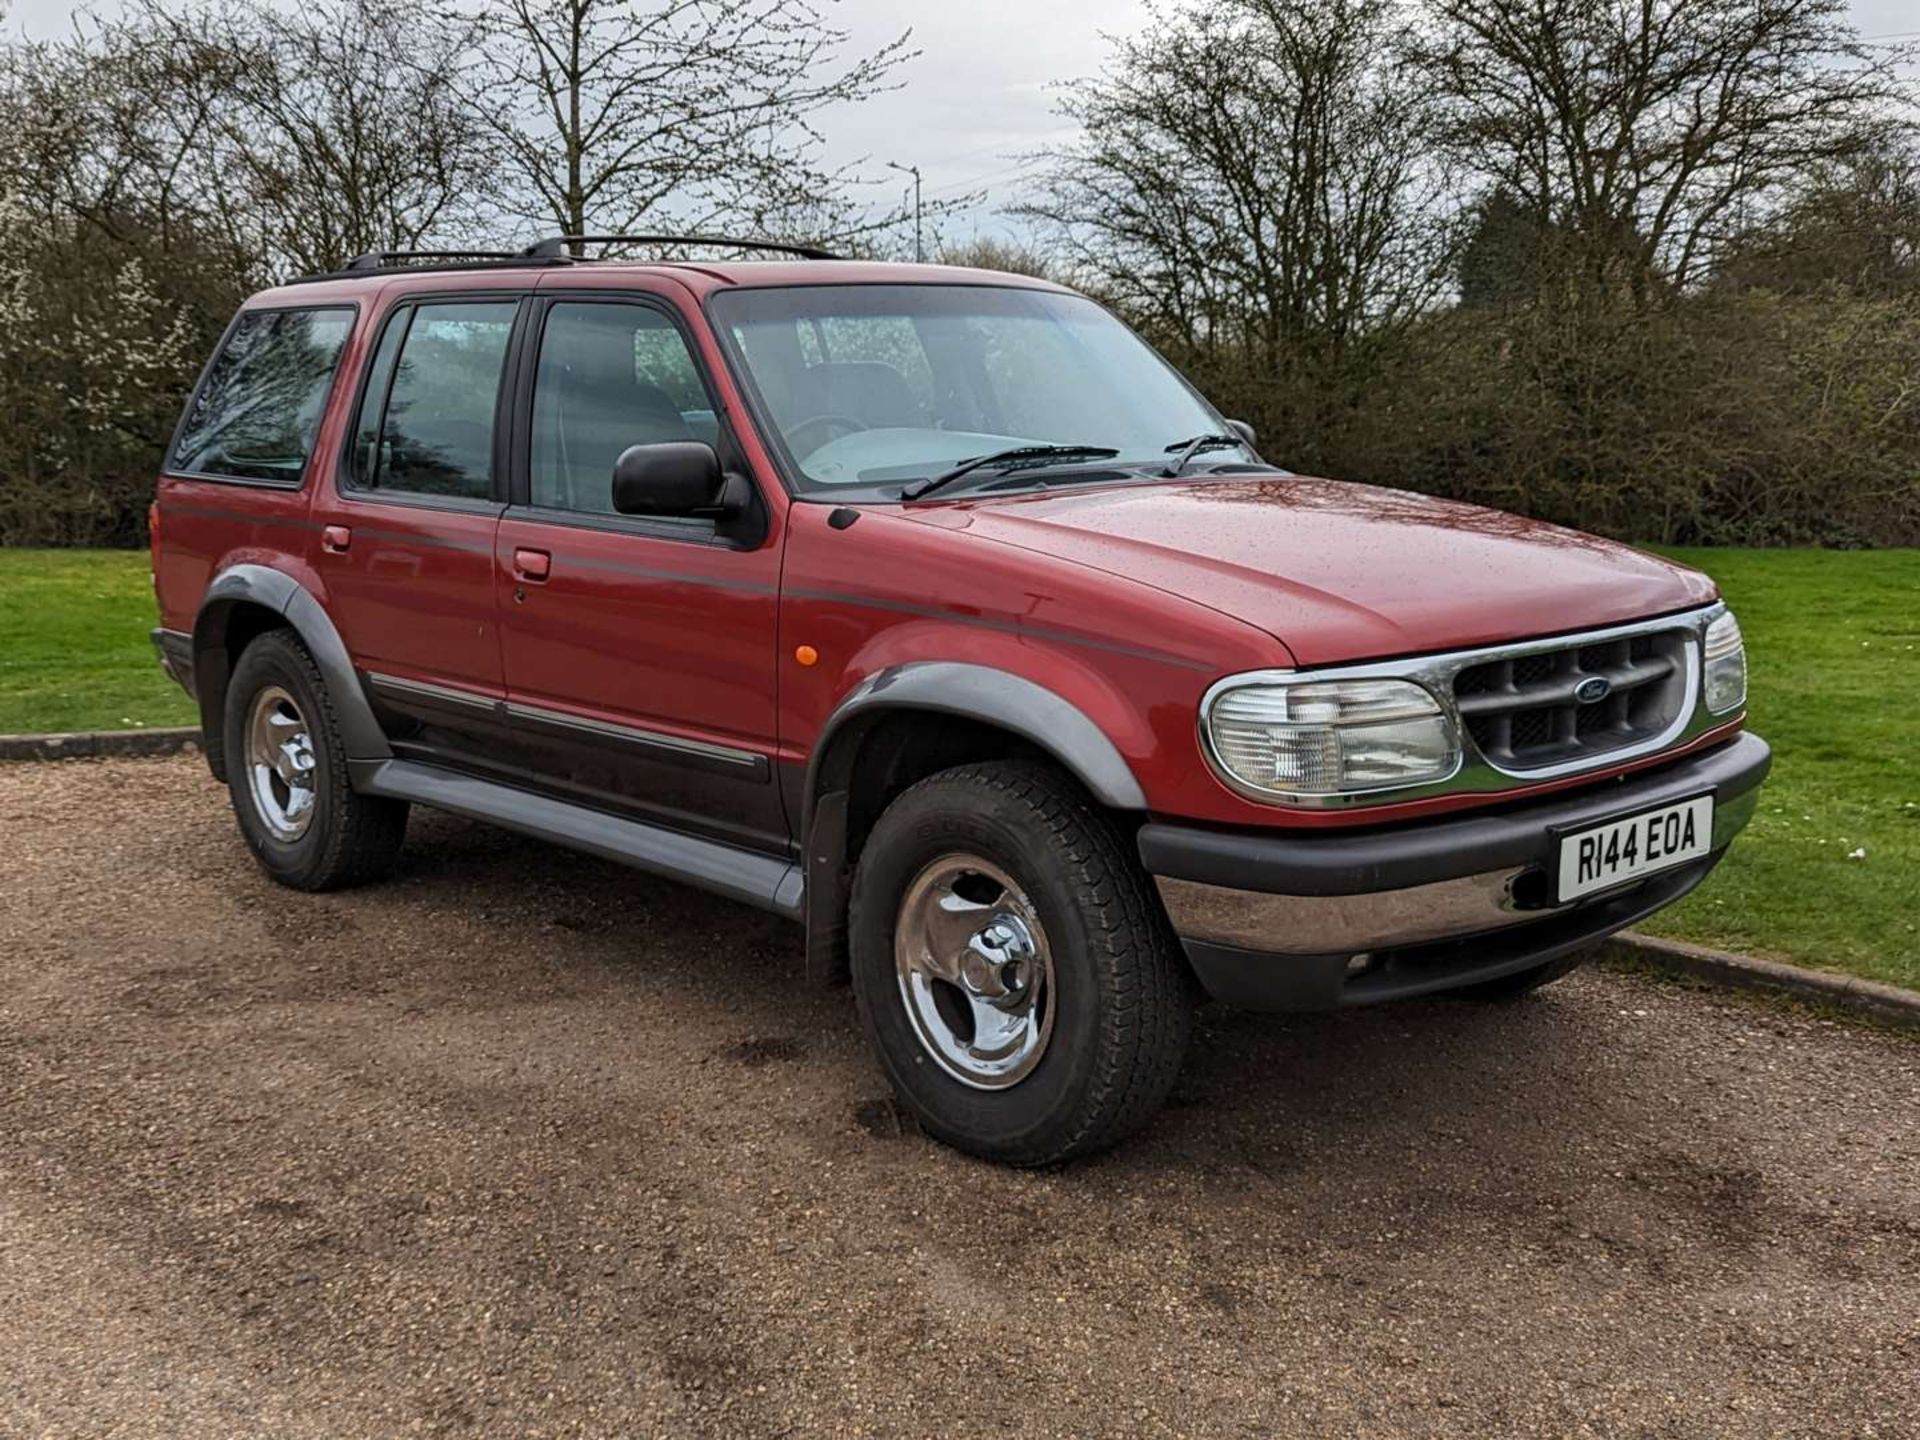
(932, 609)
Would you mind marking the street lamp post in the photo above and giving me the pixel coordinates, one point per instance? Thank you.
(919, 251)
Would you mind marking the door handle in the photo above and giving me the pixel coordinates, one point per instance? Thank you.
(533, 566)
(334, 539)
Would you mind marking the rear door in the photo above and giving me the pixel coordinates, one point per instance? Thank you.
(407, 533)
(639, 652)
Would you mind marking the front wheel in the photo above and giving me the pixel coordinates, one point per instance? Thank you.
(1012, 966)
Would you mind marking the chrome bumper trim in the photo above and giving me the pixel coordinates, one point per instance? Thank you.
(1284, 925)
(1333, 924)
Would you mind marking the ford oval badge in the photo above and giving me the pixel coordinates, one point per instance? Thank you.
(1593, 689)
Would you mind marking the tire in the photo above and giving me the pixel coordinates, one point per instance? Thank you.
(1096, 981)
(331, 838)
(1522, 983)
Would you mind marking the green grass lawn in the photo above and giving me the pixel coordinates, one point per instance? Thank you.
(74, 652)
(1833, 652)
(1833, 640)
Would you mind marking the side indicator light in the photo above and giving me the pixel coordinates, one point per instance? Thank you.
(806, 654)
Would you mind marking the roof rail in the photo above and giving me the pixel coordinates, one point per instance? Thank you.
(558, 247)
(393, 259)
(554, 250)
(399, 262)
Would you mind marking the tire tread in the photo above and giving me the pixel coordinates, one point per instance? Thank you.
(1148, 1023)
(362, 838)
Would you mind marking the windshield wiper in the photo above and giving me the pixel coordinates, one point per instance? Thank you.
(1192, 447)
(1008, 459)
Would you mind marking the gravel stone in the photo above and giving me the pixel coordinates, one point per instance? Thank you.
(525, 1144)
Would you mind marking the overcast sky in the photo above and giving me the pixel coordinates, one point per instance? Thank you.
(978, 97)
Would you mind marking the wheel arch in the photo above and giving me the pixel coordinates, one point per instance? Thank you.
(879, 740)
(244, 601)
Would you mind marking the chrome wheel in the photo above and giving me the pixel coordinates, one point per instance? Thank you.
(975, 970)
(280, 764)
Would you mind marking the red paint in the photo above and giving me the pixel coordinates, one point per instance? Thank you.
(1127, 600)
(686, 648)
(1340, 572)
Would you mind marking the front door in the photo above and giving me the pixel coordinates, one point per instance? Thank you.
(639, 652)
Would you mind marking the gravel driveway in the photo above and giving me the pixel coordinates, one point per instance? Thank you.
(524, 1144)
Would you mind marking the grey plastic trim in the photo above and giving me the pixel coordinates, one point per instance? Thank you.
(995, 697)
(942, 687)
(277, 591)
(767, 881)
(175, 651)
(1281, 861)
(440, 697)
(654, 744)
(677, 749)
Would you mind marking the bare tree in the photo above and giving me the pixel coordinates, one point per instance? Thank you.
(114, 126)
(336, 128)
(1643, 133)
(291, 139)
(1253, 173)
(618, 113)
(1851, 228)
(357, 134)
(983, 252)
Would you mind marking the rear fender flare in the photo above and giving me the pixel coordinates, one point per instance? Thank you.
(274, 590)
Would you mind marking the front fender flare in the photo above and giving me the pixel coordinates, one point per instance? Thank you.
(274, 590)
(1018, 705)
(996, 697)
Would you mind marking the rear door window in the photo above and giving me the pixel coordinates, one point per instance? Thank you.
(257, 412)
(427, 416)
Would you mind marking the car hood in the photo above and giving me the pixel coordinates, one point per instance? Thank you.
(1339, 572)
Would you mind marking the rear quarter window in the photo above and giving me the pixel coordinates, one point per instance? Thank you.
(257, 412)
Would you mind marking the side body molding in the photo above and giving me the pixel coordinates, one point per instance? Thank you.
(944, 687)
(273, 590)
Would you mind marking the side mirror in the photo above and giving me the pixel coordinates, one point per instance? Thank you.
(676, 477)
(1243, 430)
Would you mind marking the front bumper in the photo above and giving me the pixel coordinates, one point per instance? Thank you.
(1291, 921)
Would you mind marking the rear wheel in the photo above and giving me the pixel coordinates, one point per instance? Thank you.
(287, 775)
(1013, 970)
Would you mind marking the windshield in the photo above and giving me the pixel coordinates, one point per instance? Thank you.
(875, 387)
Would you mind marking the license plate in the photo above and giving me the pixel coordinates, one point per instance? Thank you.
(1603, 856)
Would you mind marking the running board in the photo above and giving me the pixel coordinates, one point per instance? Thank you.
(761, 880)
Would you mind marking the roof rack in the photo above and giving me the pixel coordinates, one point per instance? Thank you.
(395, 259)
(558, 247)
(554, 250)
(400, 262)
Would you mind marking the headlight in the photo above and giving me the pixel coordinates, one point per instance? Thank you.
(1726, 656)
(1297, 742)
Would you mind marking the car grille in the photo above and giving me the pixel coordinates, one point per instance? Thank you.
(1523, 713)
